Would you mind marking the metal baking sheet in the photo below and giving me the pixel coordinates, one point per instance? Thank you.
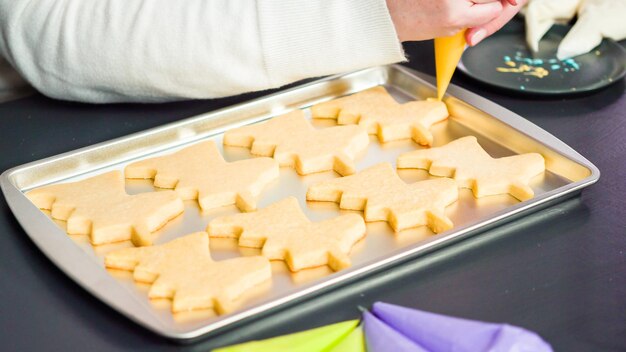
(499, 131)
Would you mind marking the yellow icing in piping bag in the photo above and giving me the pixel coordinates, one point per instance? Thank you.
(448, 52)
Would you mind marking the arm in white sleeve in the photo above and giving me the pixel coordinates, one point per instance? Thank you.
(12, 85)
(160, 50)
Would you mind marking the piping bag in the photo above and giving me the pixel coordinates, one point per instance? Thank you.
(448, 52)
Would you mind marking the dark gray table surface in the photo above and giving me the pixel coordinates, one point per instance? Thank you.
(560, 272)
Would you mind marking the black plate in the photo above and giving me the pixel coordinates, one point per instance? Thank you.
(603, 66)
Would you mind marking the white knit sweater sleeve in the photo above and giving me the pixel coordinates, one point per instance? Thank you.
(159, 50)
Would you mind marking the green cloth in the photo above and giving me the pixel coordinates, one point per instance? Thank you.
(320, 339)
(354, 342)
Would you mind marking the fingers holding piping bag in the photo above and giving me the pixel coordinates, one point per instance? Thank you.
(482, 12)
(426, 19)
(512, 2)
(509, 8)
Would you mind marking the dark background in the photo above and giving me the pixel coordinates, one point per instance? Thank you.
(559, 272)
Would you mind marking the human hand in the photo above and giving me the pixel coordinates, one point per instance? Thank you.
(596, 19)
(427, 19)
(509, 9)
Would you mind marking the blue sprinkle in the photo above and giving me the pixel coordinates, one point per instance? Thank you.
(522, 87)
(507, 58)
(553, 61)
(537, 62)
(572, 63)
(528, 61)
(567, 70)
(555, 67)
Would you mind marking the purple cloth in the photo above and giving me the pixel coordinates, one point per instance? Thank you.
(440, 333)
(379, 337)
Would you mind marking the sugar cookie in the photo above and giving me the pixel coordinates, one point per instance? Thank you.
(200, 172)
(385, 197)
(468, 163)
(376, 111)
(292, 141)
(99, 207)
(285, 233)
(184, 271)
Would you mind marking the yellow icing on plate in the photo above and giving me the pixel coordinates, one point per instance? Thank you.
(526, 70)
